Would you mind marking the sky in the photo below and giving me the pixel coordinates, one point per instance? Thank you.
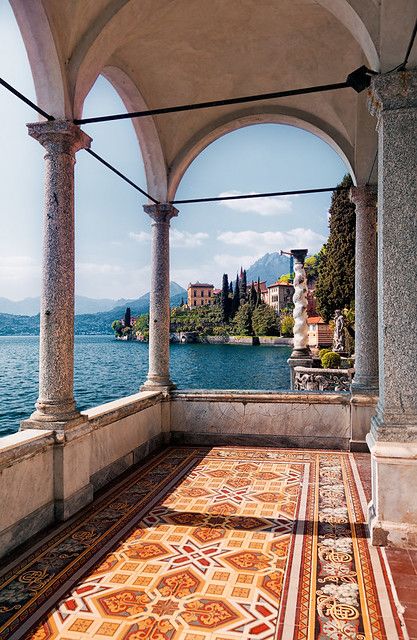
(113, 232)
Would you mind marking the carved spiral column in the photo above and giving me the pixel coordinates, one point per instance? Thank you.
(300, 355)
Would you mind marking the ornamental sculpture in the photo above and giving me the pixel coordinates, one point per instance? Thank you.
(339, 332)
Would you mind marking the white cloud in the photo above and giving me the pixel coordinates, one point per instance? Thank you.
(179, 239)
(142, 236)
(274, 240)
(185, 239)
(231, 263)
(261, 206)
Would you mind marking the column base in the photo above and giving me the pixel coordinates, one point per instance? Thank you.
(392, 514)
(156, 383)
(57, 423)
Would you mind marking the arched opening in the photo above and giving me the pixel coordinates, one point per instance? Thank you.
(212, 239)
(112, 272)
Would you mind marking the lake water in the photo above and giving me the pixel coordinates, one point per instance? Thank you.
(106, 369)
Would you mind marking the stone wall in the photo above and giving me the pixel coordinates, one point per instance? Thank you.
(45, 477)
(286, 419)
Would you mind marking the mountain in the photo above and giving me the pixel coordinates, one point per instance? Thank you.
(270, 267)
(30, 306)
(87, 323)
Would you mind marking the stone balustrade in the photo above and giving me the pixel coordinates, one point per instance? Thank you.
(315, 379)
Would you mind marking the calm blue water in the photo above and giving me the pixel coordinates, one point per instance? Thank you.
(106, 369)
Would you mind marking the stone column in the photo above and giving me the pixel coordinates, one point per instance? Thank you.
(55, 407)
(300, 356)
(159, 312)
(365, 383)
(393, 437)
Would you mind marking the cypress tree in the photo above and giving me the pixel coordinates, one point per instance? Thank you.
(224, 299)
(253, 298)
(258, 293)
(243, 288)
(231, 288)
(236, 297)
(335, 288)
(128, 317)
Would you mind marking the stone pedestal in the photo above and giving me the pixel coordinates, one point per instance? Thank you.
(300, 356)
(159, 311)
(55, 407)
(393, 439)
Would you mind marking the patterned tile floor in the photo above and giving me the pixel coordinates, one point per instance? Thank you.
(211, 544)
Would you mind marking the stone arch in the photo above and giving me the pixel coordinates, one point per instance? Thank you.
(361, 19)
(146, 132)
(49, 78)
(96, 46)
(248, 117)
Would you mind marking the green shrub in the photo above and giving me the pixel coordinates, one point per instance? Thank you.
(287, 324)
(331, 360)
(323, 351)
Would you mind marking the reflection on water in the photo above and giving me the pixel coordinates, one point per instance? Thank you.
(106, 369)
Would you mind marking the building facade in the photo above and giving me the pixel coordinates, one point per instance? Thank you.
(199, 294)
(280, 295)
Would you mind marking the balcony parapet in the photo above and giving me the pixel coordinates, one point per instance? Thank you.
(314, 379)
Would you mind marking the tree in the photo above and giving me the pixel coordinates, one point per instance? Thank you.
(231, 288)
(265, 321)
(117, 327)
(286, 277)
(236, 297)
(335, 288)
(243, 286)
(182, 302)
(259, 293)
(253, 298)
(242, 322)
(224, 299)
(128, 317)
(287, 325)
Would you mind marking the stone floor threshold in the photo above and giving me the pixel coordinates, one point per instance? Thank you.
(220, 543)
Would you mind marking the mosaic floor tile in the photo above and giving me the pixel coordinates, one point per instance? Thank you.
(215, 544)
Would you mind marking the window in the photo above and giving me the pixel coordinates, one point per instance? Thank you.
(209, 294)
(202, 294)
(195, 303)
(195, 293)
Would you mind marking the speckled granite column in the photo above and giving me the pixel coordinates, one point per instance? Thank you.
(55, 407)
(301, 355)
(393, 437)
(366, 298)
(159, 311)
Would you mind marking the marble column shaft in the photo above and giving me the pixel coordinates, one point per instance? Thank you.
(56, 404)
(159, 312)
(366, 292)
(301, 348)
(394, 101)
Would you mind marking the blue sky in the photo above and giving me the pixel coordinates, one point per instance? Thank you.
(112, 232)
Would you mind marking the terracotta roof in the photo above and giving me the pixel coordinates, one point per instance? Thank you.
(255, 284)
(216, 291)
(281, 284)
(201, 284)
(316, 320)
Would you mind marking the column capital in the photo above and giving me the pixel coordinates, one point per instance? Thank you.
(364, 196)
(299, 254)
(59, 136)
(396, 90)
(162, 212)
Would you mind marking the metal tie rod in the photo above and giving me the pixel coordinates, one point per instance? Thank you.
(358, 80)
(248, 196)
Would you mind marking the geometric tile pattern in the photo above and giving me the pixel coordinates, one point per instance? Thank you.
(249, 544)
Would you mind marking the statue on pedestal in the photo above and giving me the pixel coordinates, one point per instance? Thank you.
(339, 332)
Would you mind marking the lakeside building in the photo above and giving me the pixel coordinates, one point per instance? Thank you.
(280, 295)
(263, 287)
(200, 294)
(319, 333)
